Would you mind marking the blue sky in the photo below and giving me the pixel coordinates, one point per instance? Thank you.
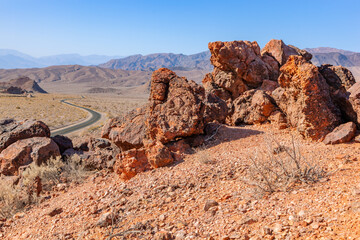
(41, 28)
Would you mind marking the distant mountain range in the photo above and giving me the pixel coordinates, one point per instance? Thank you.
(200, 61)
(13, 59)
(333, 56)
(133, 70)
(20, 85)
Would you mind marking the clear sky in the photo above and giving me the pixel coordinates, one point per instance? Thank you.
(117, 27)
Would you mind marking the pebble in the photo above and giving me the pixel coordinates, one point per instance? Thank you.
(209, 204)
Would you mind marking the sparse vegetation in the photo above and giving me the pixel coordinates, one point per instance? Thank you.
(35, 179)
(279, 168)
(113, 107)
(43, 107)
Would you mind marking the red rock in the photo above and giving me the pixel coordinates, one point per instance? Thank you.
(252, 107)
(12, 131)
(158, 154)
(341, 134)
(131, 162)
(26, 151)
(281, 52)
(239, 66)
(181, 112)
(305, 99)
(127, 132)
(269, 86)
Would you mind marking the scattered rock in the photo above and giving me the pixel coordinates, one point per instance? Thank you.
(131, 162)
(106, 219)
(341, 134)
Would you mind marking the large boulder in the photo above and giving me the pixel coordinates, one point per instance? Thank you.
(252, 107)
(127, 132)
(12, 131)
(337, 75)
(281, 52)
(26, 151)
(176, 107)
(341, 134)
(238, 66)
(305, 99)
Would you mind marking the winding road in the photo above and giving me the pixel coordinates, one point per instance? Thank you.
(95, 116)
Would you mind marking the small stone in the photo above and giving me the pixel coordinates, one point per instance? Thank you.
(180, 235)
(19, 215)
(162, 217)
(278, 228)
(315, 225)
(301, 213)
(55, 211)
(209, 204)
(163, 235)
(106, 219)
(308, 221)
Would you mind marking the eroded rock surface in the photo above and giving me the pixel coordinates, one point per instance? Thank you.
(26, 151)
(305, 99)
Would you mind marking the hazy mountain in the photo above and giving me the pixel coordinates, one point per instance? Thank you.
(152, 62)
(76, 78)
(336, 57)
(14, 59)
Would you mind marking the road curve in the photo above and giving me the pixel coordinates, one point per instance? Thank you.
(95, 116)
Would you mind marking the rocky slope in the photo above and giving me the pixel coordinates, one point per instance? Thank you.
(21, 85)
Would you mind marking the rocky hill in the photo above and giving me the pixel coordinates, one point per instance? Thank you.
(21, 85)
(79, 78)
(169, 60)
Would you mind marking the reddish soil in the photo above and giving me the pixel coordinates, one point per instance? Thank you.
(172, 199)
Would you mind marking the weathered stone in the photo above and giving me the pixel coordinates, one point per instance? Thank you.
(131, 162)
(180, 114)
(215, 109)
(12, 131)
(239, 67)
(252, 107)
(338, 75)
(281, 52)
(210, 203)
(305, 99)
(269, 86)
(158, 154)
(63, 143)
(127, 132)
(26, 151)
(341, 134)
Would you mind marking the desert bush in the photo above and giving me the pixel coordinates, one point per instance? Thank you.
(35, 179)
(203, 155)
(12, 199)
(278, 168)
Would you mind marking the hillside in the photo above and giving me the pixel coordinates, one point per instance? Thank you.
(158, 60)
(21, 85)
(64, 78)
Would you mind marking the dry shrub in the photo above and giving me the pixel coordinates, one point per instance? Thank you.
(34, 179)
(203, 155)
(279, 168)
(12, 199)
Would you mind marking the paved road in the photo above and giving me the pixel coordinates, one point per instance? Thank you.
(95, 116)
